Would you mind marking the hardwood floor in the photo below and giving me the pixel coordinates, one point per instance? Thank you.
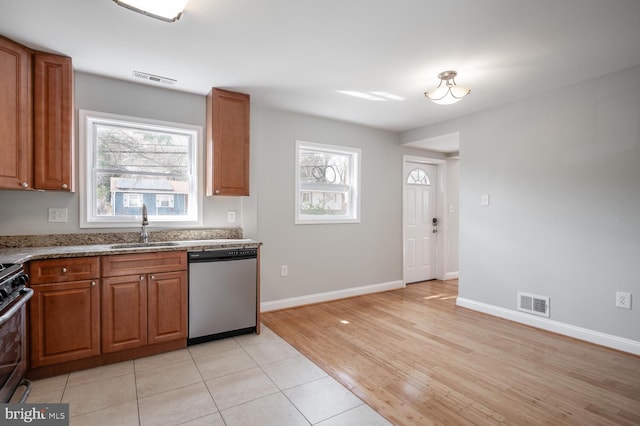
(416, 358)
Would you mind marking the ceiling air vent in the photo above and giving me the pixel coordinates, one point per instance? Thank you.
(538, 305)
(155, 78)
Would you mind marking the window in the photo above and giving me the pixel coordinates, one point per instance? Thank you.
(164, 200)
(132, 200)
(128, 162)
(418, 177)
(327, 184)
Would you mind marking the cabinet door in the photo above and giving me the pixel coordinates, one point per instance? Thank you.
(52, 122)
(227, 148)
(15, 115)
(124, 312)
(65, 322)
(167, 307)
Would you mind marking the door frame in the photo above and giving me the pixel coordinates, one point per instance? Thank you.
(441, 201)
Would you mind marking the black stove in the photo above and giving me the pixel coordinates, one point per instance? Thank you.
(12, 281)
(14, 296)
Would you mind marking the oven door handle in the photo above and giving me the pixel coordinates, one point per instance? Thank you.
(25, 296)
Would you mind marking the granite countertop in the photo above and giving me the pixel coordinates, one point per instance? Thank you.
(25, 254)
(21, 249)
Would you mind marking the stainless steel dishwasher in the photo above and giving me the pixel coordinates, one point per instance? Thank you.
(222, 293)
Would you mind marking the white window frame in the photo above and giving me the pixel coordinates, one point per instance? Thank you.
(353, 216)
(88, 218)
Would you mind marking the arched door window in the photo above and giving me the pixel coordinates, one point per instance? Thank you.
(418, 176)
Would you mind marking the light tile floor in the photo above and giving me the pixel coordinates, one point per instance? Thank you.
(245, 380)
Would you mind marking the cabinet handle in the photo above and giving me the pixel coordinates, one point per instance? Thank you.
(65, 186)
(217, 191)
(93, 283)
(64, 270)
(141, 277)
(24, 184)
(153, 277)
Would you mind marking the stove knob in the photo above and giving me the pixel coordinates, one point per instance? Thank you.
(3, 293)
(22, 280)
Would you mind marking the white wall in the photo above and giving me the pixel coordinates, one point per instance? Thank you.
(563, 174)
(25, 212)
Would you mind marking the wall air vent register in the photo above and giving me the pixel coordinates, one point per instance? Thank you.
(537, 305)
(155, 78)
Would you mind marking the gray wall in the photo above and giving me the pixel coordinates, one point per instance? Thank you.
(321, 258)
(563, 174)
(327, 257)
(453, 218)
(26, 212)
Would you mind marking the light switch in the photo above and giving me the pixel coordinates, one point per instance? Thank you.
(484, 200)
(452, 208)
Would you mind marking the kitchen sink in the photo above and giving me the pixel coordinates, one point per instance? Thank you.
(143, 245)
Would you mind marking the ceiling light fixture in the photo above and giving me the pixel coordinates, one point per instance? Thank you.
(165, 10)
(450, 92)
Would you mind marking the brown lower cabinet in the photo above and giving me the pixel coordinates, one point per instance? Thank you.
(124, 312)
(143, 309)
(86, 310)
(64, 310)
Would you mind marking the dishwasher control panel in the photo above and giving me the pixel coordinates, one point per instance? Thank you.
(222, 254)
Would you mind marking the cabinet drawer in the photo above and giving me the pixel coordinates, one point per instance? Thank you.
(127, 264)
(62, 270)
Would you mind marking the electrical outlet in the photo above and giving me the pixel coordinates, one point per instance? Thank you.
(623, 300)
(484, 200)
(231, 216)
(58, 215)
(284, 270)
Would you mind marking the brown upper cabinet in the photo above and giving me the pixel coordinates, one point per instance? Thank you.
(53, 122)
(227, 148)
(36, 119)
(15, 115)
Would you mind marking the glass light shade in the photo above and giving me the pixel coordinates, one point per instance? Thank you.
(447, 94)
(167, 10)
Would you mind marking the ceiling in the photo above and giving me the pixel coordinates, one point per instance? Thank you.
(298, 54)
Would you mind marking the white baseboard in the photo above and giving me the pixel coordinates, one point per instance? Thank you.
(292, 302)
(451, 276)
(603, 339)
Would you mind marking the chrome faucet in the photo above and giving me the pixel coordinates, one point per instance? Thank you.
(144, 236)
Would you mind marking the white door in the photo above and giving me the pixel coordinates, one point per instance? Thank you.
(420, 221)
